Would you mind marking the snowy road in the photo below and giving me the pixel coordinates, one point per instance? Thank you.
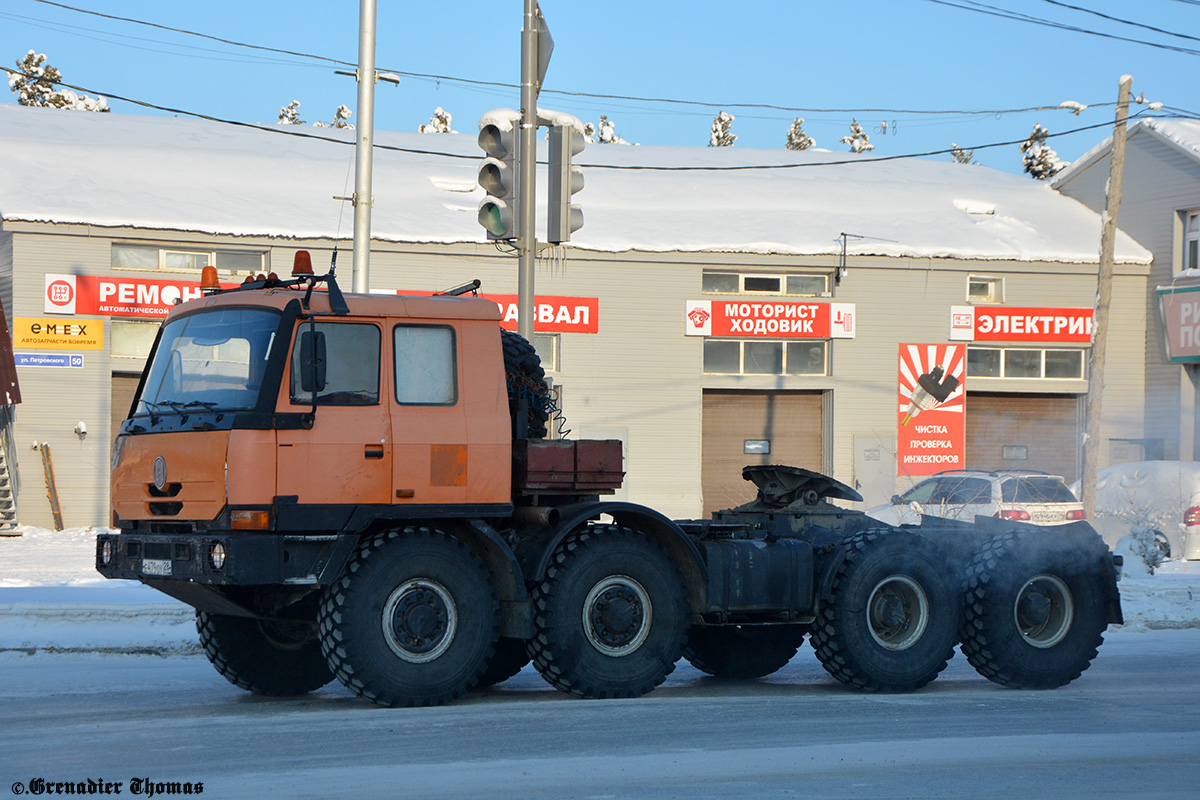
(1129, 727)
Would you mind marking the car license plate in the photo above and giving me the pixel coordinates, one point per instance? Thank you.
(1047, 516)
(156, 566)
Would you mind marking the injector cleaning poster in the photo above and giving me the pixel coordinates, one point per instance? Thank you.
(931, 434)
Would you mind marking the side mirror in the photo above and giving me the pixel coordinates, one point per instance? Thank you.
(312, 361)
(896, 500)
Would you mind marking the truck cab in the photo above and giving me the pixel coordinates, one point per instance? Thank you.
(257, 414)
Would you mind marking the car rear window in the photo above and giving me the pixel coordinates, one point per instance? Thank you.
(1036, 490)
(963, 491)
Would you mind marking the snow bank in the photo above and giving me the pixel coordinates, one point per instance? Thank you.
(1169, 599)
(1151, 494)
(53, 600)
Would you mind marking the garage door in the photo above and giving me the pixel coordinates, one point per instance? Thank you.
(789, 421)
(1025, 431)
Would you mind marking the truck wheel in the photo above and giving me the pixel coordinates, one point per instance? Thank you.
(1034, 612)
(742, 652)
(272, 658)
(611, 615)
(890, 620)
(412, 621)
(526, 378)
(510, 657)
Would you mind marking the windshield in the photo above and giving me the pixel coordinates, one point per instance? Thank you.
(210, 361)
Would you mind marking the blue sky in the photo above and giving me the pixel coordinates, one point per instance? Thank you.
(901, 55)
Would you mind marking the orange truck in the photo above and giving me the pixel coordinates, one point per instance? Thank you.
(360, 487)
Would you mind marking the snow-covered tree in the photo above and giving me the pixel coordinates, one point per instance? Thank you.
(34, 86)
(607, 133)
(961, 155)
(721, 135)
(1040, 160)
(438, 123)
(290, 114)
(340, 116)
(858, 140)
(797, 139)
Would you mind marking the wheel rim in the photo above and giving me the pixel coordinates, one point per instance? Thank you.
(419, 620)
(897, 612)
(1044, 611)
(617, 615)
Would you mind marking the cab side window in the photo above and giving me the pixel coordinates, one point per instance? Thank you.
(426, 365)
(349, 368)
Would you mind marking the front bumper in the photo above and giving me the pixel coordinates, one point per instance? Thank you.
(250, 559)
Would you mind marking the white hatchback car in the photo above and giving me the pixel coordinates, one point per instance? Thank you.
(1033, 497)
(1161, 495)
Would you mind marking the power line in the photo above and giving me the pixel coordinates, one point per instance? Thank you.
(993, 11)
(590, 95)
(283, 130)
(87, 33)
(195, 33)
(856, 160)
(1122, 21)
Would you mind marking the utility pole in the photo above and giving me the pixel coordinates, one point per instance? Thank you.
(527, 142)
(1108, 235)
(365, 134)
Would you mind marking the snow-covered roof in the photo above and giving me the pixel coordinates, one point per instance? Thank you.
(195, 175)
(1183, 134)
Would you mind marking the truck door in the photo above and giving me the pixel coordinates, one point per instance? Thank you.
(429, 422)
(346, 458)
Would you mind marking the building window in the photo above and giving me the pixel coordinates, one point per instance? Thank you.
(805, 284)
(181, 259)
(981, 289)
(1024, 362)
(546, 345)
(764, 357)
(131, 339)
(1191, 241)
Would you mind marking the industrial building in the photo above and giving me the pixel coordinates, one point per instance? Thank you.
(708, 317)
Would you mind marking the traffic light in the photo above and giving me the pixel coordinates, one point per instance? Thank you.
(565, 180)
(498, 175)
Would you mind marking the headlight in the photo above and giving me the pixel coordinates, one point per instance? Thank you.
(106, 552)
(216, 555)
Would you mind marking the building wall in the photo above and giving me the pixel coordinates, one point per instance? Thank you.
(6, 273)
(1159, 181)
(55, 399)
(640, 378)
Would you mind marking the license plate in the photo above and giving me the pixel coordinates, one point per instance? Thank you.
(1048, 516)
(156, 566)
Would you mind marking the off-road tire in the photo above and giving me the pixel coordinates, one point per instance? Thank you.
(271, 658)
(510, 657)
(742, 652)
(412, 620)
(636, 609)
(890, 620)
(1021, 647)
(525, 378)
